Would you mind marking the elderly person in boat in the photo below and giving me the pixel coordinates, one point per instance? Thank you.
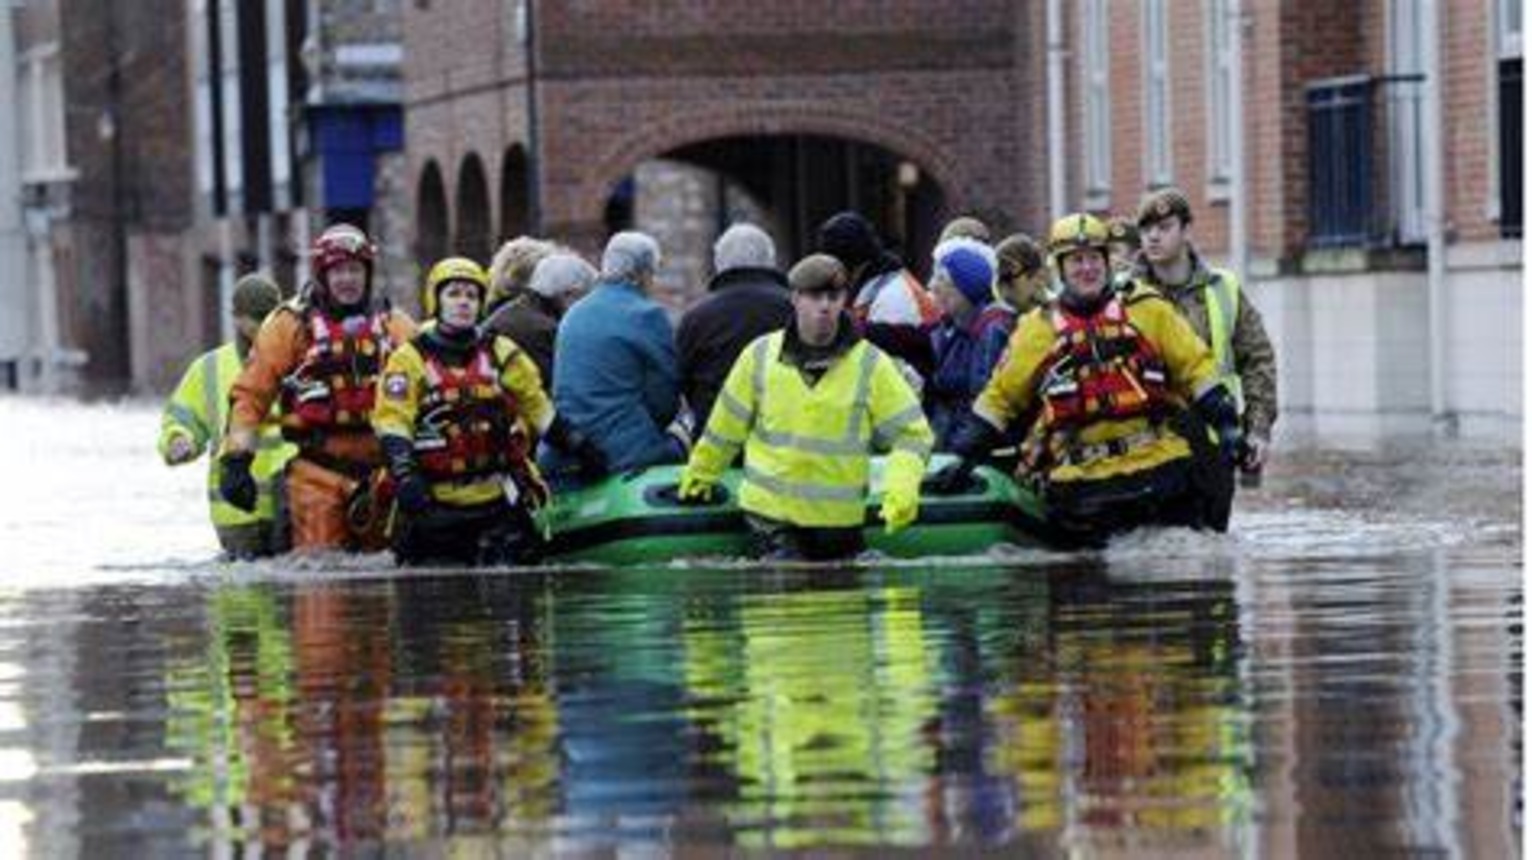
(810, 405)
(615, 377)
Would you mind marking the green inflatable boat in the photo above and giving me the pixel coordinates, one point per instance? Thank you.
(637, 519)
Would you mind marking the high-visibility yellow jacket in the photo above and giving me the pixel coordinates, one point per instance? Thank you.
(808, 447)
(1213, 301)
(403, 385)
(198, 410)
(1113, 447)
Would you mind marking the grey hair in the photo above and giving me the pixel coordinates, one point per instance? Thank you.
(561, 273)
(629, 256)
(744, 246)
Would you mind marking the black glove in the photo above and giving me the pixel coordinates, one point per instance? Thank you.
(235, 481)
(562, 435)
(1216, 408)
(411, 491)
(413, 494)
(972, 442)
(952, 478)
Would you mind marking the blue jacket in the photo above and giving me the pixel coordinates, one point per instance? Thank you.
(615, 379)
(965, 356)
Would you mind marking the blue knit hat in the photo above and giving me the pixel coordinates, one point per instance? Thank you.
(970, 265)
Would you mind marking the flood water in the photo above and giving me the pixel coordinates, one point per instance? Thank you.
(1341, 676)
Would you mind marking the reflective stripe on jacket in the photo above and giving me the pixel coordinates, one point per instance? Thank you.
(198, 410)
(1222, 293)
(808, 447)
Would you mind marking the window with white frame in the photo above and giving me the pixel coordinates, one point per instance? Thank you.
(1096, 58)
(40, 91)
(278, 139)
(1157, 149)
(228, 73)
(1220, 92)
(202, 108)
(1404, 92)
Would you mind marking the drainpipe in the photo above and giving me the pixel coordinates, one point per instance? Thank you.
(13, 243)
(1056, 164)
(534, 149)
(1239, 230)
(1436, 239)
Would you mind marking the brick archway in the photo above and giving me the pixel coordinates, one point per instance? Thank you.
(655, 138)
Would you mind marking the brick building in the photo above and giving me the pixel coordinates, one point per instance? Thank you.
(158, 152)
(796, 112)
(1334, 136)
(524, 115)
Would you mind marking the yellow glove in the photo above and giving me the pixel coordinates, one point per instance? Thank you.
(899, 510)
(694, 488)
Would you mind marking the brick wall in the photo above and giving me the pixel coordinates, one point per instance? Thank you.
(145, 183)
(624, 83)
(464, 76)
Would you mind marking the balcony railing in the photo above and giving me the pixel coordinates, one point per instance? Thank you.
(1366, 179)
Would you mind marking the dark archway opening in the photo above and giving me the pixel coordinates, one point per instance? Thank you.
(787, 184)
(515, 194)
(800, 180)
(430, 217)
(473, 235)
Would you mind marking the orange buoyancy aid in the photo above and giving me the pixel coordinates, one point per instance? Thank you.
(333, 386)
(1101, 368)
(468, 428)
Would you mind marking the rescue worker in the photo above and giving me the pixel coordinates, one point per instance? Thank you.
(968, 342)
(319, 356)
(1122, 246)
(1215, 305)
(810, 405)
(1105, 373)
(1022, 278)
(194, 421)
(616, 378)
(456, 414)
(746, 299)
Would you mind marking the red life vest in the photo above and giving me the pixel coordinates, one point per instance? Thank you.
(467, 428)
(1101, 368)
(334, 384)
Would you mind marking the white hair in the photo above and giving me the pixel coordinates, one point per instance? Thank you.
(629, 256)
(744, 246)
(560, 274)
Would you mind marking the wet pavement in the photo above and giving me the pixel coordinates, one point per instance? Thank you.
(1341, 676)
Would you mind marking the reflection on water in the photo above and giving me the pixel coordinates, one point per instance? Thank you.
(1339, 677)
(1066, 708)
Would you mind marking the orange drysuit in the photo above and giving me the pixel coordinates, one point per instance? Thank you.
(324, 371)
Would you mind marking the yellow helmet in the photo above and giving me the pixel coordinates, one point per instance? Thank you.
(1074, 232)
(452, 269)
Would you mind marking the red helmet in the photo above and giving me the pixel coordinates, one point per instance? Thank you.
(339, 243)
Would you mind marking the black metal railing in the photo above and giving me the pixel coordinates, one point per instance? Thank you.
(1366, 166)
(1510, 146)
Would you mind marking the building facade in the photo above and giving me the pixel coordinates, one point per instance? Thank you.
(1322, 112)
(1300, 130)
(159, 152)
(539, 116)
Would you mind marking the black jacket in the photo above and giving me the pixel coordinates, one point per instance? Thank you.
(742, 305)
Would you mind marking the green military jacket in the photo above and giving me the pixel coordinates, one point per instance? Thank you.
(1243, 352)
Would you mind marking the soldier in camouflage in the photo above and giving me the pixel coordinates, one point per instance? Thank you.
(1213, 302)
